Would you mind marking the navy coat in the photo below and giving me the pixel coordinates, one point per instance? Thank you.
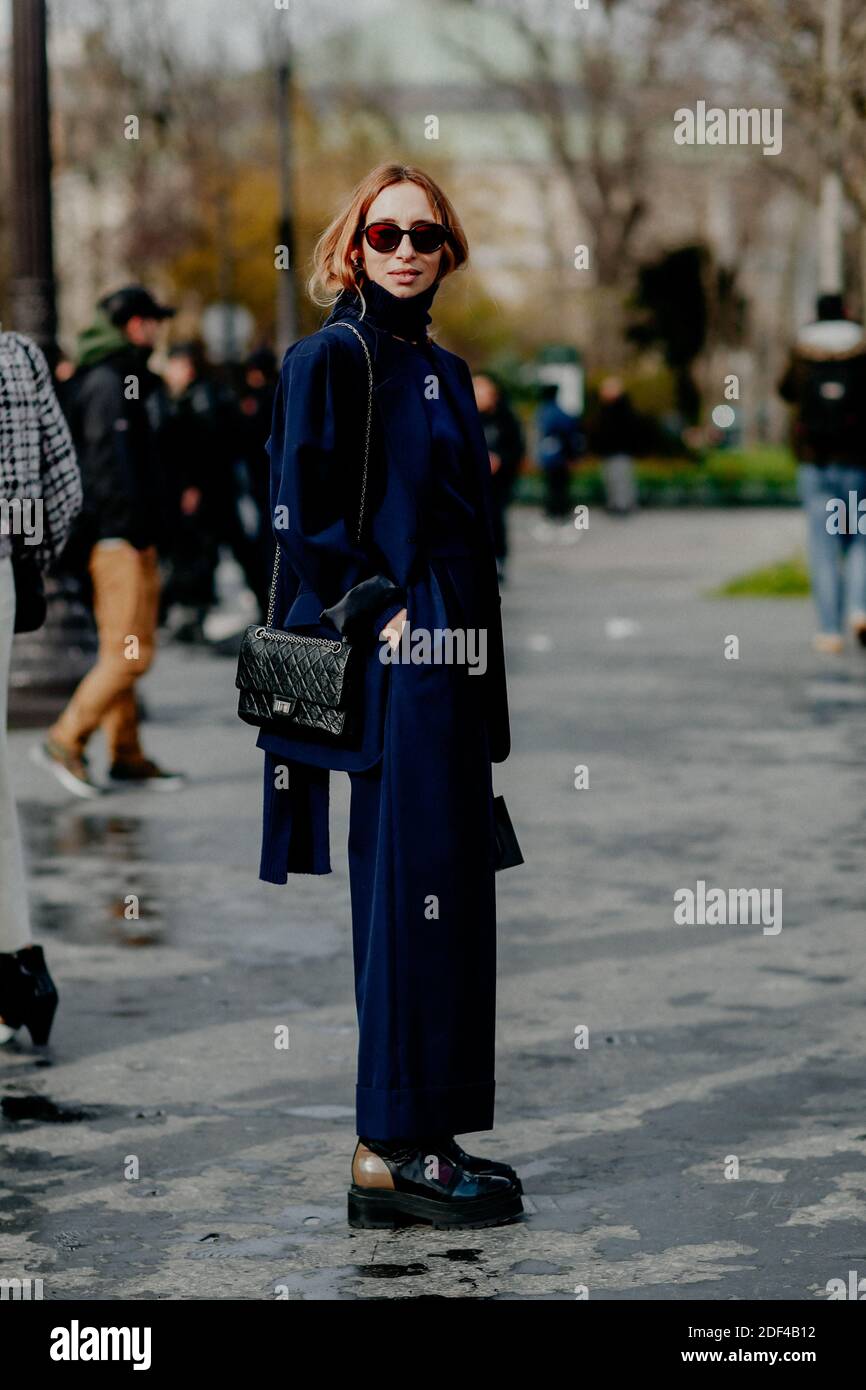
(328, 582)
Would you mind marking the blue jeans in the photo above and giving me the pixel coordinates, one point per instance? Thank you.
(837, 562)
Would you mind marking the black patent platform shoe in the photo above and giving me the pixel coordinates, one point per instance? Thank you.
(396, 1184)
(473, 1164)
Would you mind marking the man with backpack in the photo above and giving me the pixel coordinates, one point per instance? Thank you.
(115, 410)
(826, 383)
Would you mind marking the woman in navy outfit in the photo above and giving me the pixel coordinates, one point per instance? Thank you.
(421, 832)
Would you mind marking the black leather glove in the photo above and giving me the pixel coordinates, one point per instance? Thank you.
(352, 613)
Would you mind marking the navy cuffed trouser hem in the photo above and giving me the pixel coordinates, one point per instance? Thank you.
(388, 1114)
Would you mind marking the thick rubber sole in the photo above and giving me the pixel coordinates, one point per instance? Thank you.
(382, 1209)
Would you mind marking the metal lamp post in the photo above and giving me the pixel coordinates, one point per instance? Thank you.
(46, 664)
(32, 293)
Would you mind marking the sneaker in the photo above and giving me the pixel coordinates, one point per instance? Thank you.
(145, 773)
(70, 769)
(828, 643)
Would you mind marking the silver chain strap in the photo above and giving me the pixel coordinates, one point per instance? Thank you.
(324, 641)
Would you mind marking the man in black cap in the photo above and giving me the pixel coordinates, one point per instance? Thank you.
(116, 408)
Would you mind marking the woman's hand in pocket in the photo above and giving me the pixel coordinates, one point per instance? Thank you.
(394, 629)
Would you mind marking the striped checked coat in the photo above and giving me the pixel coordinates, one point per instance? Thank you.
(37, 456)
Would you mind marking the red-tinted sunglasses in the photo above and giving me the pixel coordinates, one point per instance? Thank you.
(424, 236)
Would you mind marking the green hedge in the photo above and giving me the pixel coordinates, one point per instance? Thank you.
(721, 478)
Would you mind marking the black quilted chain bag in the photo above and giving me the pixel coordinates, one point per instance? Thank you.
(305, 685)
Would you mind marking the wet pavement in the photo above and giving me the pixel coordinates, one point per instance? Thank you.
(707, 1143)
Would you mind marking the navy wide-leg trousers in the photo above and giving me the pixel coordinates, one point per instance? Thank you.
(421, 867)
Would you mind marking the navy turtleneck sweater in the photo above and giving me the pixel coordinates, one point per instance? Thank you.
(451, 514)
(405, 318)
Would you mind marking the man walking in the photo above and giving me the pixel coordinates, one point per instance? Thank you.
(115, 412)
(826, 382)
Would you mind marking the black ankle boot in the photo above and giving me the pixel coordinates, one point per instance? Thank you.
(399, 1181)
(28, 995)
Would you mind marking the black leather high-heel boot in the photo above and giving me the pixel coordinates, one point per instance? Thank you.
(28, 995)
(397, 1182)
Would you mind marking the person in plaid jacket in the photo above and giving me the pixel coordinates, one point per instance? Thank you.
(40, 496)
(37, 456)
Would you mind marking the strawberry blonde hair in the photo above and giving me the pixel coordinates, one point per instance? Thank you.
(332, 258)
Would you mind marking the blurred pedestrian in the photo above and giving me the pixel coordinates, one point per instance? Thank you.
(505, 444)
(64, 371)
(615, 438)
(256, 405)
(256, 408)
(116, 408)
(825, 381)
(37, 466)
(559, 444)
(191, 445)
(234, 491)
